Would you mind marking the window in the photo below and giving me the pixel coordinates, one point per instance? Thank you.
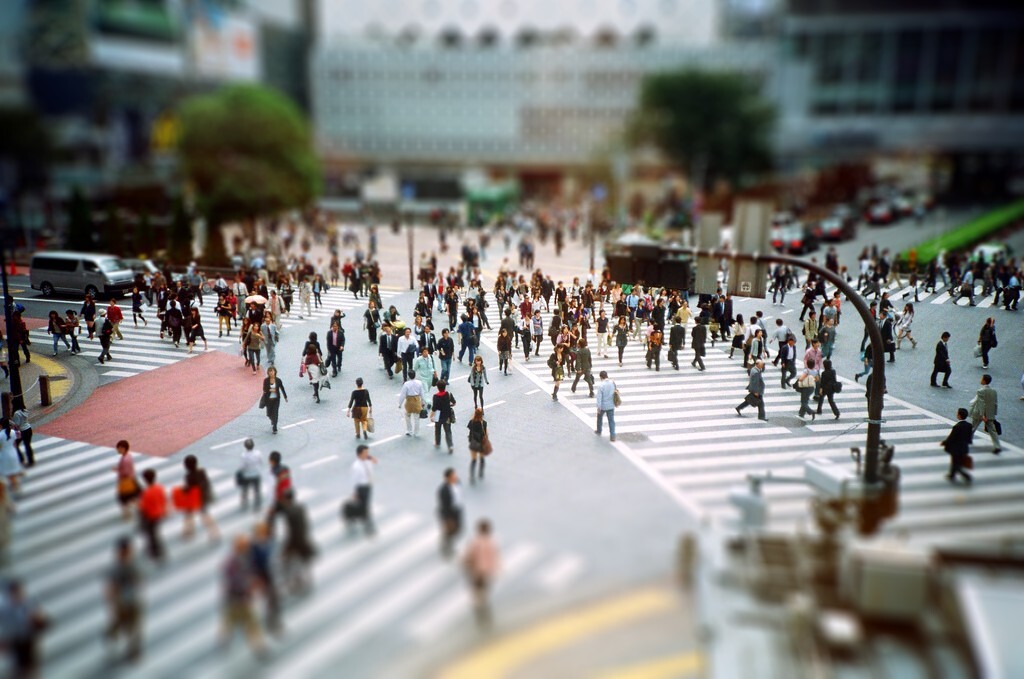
(54, 264)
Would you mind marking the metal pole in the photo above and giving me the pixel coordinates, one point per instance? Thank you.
(877, 393)
(412, 278)
(13, 361)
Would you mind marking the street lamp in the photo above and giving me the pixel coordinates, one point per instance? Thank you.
(14, 362)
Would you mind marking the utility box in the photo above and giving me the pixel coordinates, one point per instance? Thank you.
(888, 581)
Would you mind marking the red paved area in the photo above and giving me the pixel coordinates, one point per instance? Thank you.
(33, 323)
(162, 411)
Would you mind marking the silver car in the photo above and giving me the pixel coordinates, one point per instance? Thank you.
(82, 273)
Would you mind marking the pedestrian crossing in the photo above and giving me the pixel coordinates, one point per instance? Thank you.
(901, 293)
(393, 589)
(142, 348)
(683, 429)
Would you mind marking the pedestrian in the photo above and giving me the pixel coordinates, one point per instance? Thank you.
(297, 550)
(72, 326)
(410, 401)
(174, 320)
(312, 360)
(810, 329)
(371, 321)
(239, 585)
(449, 511)
(958, 444)
(941, 364)
(445, 351)
(360, 408)
(250, 475)
(22, 623)
(737, 335)
(128, 489)
(556, 362)
(407, 350)
(358, 508)
(467, 338)
(335, 347)
(887, 327)
(424, 369)
(987, 340)
(105, 332)
(698, 340)
(23, 437)
(124, 599)
(479, 444)
(273, 392)
(137, 308)
(10, 465)
(477, 379)
(828, 386)
(806, 385)
(903, 327)
(755, 391)
(55, 327)
(621, 336)
(504, 349)
(813, 358)
(481, 562)
(537, 330)
(252, 341)
(152, 511)
(442, 414)
(88, 313)
(654, 341)
(606, 395)
(195, 497)
(261, 553)
(115, 315)
(584, 367)
(984, 409)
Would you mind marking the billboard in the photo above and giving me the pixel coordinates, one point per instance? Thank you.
(224, 46)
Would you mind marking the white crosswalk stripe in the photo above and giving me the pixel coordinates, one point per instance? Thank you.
(68, 521)
(682, 427)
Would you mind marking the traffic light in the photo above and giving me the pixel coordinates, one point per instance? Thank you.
(751, 231)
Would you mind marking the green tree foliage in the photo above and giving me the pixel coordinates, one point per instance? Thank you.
(247, 151)
(179, 238)
(714, 124)
(81, 229)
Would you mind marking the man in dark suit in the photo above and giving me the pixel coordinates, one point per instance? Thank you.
(941, 362)
(755, 392)
(388, 349)
(335, 347)
(676, 337)
(958, 445)
(698, 339)
(449, 511)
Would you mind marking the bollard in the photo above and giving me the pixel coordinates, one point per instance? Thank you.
(8, 404)
(44, 390)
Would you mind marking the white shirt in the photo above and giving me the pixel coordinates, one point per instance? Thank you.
(411, 388)
(252, 461)
(406, 344)
(456, 494)
(361, 474)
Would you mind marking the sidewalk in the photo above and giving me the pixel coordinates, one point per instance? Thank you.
(63, 383)
(648, 632)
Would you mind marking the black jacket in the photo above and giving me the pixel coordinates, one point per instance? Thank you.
(676, 337)
(442, 405)
(334, 346)
(699, 335)
(959, 440)
(446, 347)
(388, 345)
(941, 355)
(446, 507)
(280, 387)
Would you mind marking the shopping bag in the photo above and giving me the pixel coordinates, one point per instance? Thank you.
(369, 425)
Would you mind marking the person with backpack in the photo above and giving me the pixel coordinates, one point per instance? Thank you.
(195, 497)
(152, 508)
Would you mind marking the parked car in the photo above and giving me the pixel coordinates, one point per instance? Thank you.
(800, 238)
(84, 273)
(990, 252)
(880, 214)
(837, 229)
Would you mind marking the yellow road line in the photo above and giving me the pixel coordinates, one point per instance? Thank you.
(671, 667)
(503, 656)
(58, 388)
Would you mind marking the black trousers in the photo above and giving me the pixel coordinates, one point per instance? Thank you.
(273, 408)
(753, 400)
(946, 372)
(831, 403)
(587, 376)
(956, 466)
(447, 426)
(365, 514)
(28, 458)
(698, 360)
(151, 530)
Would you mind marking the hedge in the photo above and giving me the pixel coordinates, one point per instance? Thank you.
(968, 234)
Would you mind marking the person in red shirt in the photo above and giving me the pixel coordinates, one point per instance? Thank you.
(115, 315)
(152, 510)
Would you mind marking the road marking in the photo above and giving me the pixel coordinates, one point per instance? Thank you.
(319, 462)
(530, 393)
(229, 443)
(670, 667)
(560, 573)
(390, 438)
(295, 424)
(789, 311)
(502, 657)
(495, 404)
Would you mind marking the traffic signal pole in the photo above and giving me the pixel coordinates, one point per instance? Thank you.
(876, 392)
(13, 359)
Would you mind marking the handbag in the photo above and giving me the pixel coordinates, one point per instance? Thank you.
(998, 427)
(263, 401)
(616, 398)
(487, 447)
(302, 369)
(239, 478)
(423, 414)
(977, 352)
(323, 368)
(968, 462)
(839, 387)
(369, 425)
(127, 485)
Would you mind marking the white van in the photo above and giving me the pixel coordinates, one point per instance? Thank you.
(81, 273)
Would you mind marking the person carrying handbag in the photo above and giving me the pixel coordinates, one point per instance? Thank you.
(479, 444)
(410, 398)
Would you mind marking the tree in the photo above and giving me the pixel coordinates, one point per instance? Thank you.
(714, 124)
(247, 151)
(179, 238)
(81, 229)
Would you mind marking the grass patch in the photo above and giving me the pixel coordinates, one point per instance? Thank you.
(968, 234)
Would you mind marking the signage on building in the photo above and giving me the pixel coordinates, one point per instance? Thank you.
(224, 46)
